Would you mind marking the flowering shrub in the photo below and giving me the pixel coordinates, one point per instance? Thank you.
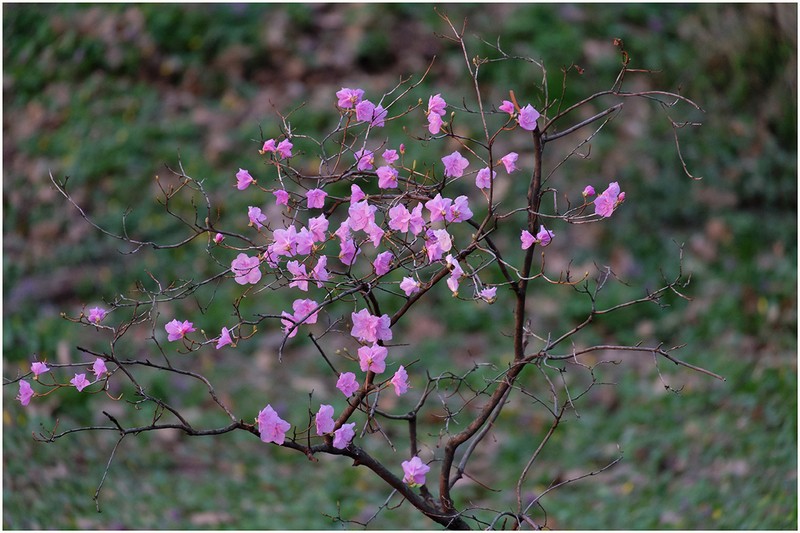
(356, 247)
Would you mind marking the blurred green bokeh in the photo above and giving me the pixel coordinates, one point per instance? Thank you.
(111, 95)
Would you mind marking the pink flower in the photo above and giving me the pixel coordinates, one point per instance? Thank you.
(318, 226)
(375, 233)
(454, 165)
(324, 419)
(527, 239)
(361, 215)
(436, 105)
(301, 309)
(271, 426)
(349, 98)
(300, 279)
(443, 239)
(482, 179)
(365, 159)
(588, 191)
(432, 247)
(438, 207)
(399, 217)
(400, 381)
(218, 238)
(508, 107)
(510, 161)
(382, 263)
(605, 204)
(489, 294)
(347, 384)
(379, 117)
(97, 314)
(434, 124)
(409, 286)
(245, 269)
(285, 149)
(414, 471)
(316, 198)
(320, 273)
(452, 284)
(25, 392)
(281, 197)
(370, 328)
(177, 330)
(348, 252)
(356, 194)
(305, 242)
(365, 111)
(80, 382)
(285, 242)
(390, 156)
(99, 367)
(224, 338)
(243, 179)
(459, 211)
(269, 146)
(343, 436)
(256, 216)
(387, 177)
(416, 224)
(372, 358)
(343, 233)
(528, 117)
(544, 236)
(39, 368)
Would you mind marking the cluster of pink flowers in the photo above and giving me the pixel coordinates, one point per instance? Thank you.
(543, 237)
(527, 116)
(79, 381)
(366, 111)
(608, 200)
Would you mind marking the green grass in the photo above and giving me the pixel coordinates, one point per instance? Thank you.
(110, 95)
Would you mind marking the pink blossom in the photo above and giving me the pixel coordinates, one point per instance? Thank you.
(452, 284)
(349, 98)
(356, 194)
(382, 263)
(285, 242)
(224, 338)
(347, 383)
(387, 177)
(318, 226)
(414, 471)
(39, 368)
(390, 156)
(245, 269)
(343, 233)
(80, 382)
(368, 112)
(177, 330)
(99, 367)
(97, 314)
(588, 191)
(324, 419)
(243, 179)
(621, 198)
(361, 214)
(375, 233)
(256, 216)
(305, 242)
(399, 217)
(544, 236)
(489, 294)
(409, 286)
(527, 239)
(416, 224)
(436, 105)
(510, 161)
(269, 146)
(434, 123)
(482, 180)
(454, 165)
(432, 247)
(218, 238)
(507, 106)
(300, 279)
(438, 207)
(365, 159)
(444, 239)
(370, 328)
(348, 252)
(379, 117)
(25, 392)
(606, 202)
(301, 309)
(528, 117)
(281, 197)
(372, 358)
(316, 198)
(459, 211)
(320, 273)
(343, 435)
(400, 381)
(285, 149)
(454, 266)
(271, 426)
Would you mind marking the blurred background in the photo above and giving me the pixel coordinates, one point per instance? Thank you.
(111, 95)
